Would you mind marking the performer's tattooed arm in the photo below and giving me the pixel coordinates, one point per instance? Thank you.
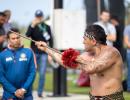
(53, 54)
(105, 60)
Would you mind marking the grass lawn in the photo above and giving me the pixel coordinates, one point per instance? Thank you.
(25, 42)
(72, 88)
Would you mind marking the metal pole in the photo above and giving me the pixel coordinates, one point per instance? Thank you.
(98, 9)
(60, 73)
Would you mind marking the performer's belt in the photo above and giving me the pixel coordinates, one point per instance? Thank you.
(114, 96)
(96, 98)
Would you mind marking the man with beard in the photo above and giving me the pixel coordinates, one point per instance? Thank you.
(17, 69)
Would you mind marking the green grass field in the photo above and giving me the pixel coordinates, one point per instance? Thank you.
(25, 42)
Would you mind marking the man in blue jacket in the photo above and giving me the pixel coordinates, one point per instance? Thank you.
(17, 69)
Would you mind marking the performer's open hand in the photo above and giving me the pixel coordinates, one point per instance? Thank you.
(41, 45)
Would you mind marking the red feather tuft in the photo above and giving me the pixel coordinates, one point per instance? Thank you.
(69, 58)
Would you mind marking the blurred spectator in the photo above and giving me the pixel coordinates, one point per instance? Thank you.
(127, 45)
(2, 31)
(7, 24)
(107, 26)
(118, 43)
(17, 69)
(40, 31)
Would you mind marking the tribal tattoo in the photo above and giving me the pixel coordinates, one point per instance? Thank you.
(97, 64)
(55, 56)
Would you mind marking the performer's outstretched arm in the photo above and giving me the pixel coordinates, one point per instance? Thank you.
(104, 61)
(53, 54)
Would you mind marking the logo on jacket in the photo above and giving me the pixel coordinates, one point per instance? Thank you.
(23, 57)
(9, 59)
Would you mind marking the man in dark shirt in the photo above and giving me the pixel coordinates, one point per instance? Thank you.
(39, 31)
(2, 31)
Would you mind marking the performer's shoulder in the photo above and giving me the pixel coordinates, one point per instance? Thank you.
(112, 50)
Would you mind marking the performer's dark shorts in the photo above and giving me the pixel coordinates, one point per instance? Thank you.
(115, 96)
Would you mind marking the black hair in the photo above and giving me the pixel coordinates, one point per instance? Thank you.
(107, 11)
(115, 18)
(2, 14)
(12, 30)
(7, 13)
(97, 32)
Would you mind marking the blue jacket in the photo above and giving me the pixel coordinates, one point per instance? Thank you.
(17, 70)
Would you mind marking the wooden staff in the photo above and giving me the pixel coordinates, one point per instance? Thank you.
(45, 46)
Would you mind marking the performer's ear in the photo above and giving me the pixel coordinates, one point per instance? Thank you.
(94, 41)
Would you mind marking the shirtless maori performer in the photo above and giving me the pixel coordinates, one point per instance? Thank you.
(103, 63)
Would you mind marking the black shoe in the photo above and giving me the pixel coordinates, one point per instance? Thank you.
(40, 95)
